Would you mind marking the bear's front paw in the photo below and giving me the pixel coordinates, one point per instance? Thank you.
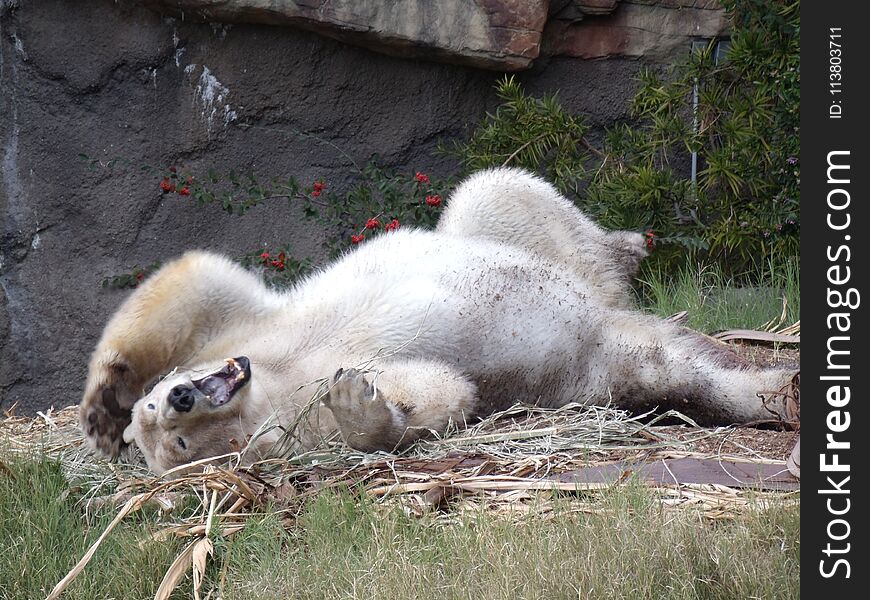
(103, 421)
(112, 389)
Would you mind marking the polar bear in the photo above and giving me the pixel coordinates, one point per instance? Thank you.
(400, 337)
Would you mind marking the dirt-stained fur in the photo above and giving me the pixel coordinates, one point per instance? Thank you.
(513, 206)
(403, 335)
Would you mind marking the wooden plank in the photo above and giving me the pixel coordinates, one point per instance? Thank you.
(755, 475)
(756, 336)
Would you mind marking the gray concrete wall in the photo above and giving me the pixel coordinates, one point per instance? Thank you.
(110, 79)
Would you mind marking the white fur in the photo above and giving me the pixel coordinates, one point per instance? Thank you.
(514, 207)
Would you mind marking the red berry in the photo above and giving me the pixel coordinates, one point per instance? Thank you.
(373, 223)
(421, 177)
(433, 200)
(166, 185)
(392, 225)
(185, 191)
(356, 239)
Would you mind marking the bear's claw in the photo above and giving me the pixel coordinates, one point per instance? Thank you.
(350, 391)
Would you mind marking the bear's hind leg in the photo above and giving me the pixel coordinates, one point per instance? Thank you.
(656, 363)
(498, 204)
(398, 404)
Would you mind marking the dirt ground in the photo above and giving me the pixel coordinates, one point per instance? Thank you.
(744, 442)
(768, 356)
(748, 442)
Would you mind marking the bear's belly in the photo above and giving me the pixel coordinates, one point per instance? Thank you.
(519, 325)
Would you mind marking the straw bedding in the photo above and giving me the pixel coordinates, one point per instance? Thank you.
(506, 464)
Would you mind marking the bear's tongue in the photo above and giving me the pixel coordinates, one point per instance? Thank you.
(220, 386)
(217, 388)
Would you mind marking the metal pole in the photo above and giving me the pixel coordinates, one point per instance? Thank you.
(695, 132)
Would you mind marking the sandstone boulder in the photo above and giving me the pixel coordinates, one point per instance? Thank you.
(494, 34)
(504, 35)
(654, 29)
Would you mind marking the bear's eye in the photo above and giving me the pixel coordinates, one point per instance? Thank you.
(182, 444)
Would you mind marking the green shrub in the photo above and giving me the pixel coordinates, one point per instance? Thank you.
(743, 208)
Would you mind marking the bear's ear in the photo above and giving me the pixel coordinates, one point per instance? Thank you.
(129, 435)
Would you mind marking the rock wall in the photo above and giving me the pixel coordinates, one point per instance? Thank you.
(114, 78)
(505, 35)
(654, 29)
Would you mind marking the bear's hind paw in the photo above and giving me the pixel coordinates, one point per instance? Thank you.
(367, 421)
(350, 392)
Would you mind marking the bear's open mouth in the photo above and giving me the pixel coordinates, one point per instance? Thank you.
(222, 385)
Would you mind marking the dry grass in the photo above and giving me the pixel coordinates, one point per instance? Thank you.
(471, 507)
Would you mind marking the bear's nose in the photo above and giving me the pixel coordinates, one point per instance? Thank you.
(181, 398)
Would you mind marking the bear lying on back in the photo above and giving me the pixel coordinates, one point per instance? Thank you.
(409, 332)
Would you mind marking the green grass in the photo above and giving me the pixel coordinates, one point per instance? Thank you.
(346, 547)
(715, 302)
(43, 533)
